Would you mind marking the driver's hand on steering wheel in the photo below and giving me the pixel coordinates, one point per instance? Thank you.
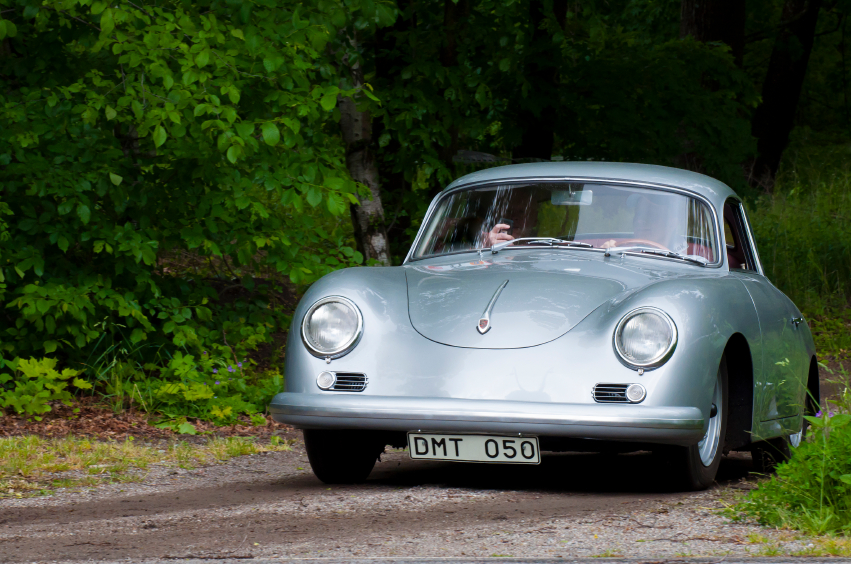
(494, 236)
(609, 244)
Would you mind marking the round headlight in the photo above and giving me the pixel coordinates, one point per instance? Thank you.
(332, 327)
(645, 337)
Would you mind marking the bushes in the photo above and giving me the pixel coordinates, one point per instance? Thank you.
(33, 383)
(812, 491)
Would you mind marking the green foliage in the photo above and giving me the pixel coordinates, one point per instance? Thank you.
(130, 134)
(616, 82)
(34, 383)
(803, 233)
(812, 491)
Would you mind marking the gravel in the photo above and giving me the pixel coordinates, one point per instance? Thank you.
(271, 506)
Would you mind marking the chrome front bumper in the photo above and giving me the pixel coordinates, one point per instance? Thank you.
(673, 425)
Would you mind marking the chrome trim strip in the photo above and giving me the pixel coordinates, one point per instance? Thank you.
(483, 328)
(606, 415)
(570, 179)
(751, 239)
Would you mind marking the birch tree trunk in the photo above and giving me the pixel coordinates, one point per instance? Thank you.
(368, 217)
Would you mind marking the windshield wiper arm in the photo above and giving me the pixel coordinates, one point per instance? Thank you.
(545, 240)
(672, 254)
(658, 252)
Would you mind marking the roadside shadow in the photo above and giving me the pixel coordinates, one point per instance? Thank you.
(568, 472)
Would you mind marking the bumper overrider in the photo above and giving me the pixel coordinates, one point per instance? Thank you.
(674, 425)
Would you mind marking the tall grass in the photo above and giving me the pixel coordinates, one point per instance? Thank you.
(803, 233)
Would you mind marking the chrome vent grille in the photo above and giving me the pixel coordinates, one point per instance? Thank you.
(350, 382)
(610, 393)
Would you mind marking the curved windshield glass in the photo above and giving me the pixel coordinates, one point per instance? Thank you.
(601, 216)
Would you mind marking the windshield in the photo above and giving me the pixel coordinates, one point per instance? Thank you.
(602, 215)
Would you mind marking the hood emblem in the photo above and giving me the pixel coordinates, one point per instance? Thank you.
(485, 322)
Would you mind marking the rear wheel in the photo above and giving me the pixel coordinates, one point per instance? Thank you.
(697, 465)
(342, 457)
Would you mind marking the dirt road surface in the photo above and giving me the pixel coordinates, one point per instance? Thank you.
(271, 506)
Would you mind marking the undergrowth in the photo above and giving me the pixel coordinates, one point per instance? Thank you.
(810, 492)
(33, 465)
(803, 233)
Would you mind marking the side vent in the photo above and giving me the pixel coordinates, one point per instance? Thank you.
(350, 382)
(610, 393)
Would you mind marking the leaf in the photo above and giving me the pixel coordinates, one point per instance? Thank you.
(137, 335)
(107, 24)
(234, 153)
(846, 478)
(203, 58)
(7, 29)
(159, 136)
(237, 33)
(62, 242)
(328, 102)
(314, 196)
(82, 384)
(84, 212)
(50, 346)
(115, 179)
(271, 134)
(110, 113)
(483, 95)
(186, 428)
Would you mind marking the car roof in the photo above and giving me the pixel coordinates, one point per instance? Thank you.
(713, 190)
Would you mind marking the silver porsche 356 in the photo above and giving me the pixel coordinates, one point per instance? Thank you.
(555, 307)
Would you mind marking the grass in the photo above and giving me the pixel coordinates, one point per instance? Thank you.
(32, 465)
(803, 233)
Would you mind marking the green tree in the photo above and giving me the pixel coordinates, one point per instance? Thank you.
(130, 134)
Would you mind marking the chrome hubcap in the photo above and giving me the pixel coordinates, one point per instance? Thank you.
(708, 446)
(795, 438)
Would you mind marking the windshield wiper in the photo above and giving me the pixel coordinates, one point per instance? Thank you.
(544, 240)
(657, 252)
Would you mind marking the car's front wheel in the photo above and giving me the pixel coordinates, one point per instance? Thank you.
(342, 457)
(697, 465)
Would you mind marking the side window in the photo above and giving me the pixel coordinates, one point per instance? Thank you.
(740, 253)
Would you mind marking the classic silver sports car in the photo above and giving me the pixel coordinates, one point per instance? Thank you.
(555, 307)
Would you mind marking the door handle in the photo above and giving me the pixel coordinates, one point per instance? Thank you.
(797, 321)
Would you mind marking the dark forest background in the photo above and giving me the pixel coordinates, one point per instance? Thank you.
(173, 174)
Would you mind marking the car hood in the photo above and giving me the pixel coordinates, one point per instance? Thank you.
(547, 294)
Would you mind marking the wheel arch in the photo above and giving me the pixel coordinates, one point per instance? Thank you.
(740, 389)
(813, 389)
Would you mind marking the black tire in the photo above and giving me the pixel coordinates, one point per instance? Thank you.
(342, 457)
(766, 455)
(691, 473)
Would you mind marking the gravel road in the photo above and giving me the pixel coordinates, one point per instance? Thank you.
(271, 506)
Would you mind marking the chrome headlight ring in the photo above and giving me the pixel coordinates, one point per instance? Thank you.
(349, 343)
(664, 353)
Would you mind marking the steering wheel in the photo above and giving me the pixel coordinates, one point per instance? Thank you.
(634, 242)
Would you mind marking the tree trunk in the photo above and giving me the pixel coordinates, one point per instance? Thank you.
(715, 20)
(537, 114)
(455, 14)
(774, 118)
(368, 217)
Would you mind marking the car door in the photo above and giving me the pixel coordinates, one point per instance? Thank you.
(780, 382)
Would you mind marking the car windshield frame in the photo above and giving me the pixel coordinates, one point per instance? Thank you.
(435, 205)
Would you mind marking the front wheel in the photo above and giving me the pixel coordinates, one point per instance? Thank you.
(697, 465)
(342, 457)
